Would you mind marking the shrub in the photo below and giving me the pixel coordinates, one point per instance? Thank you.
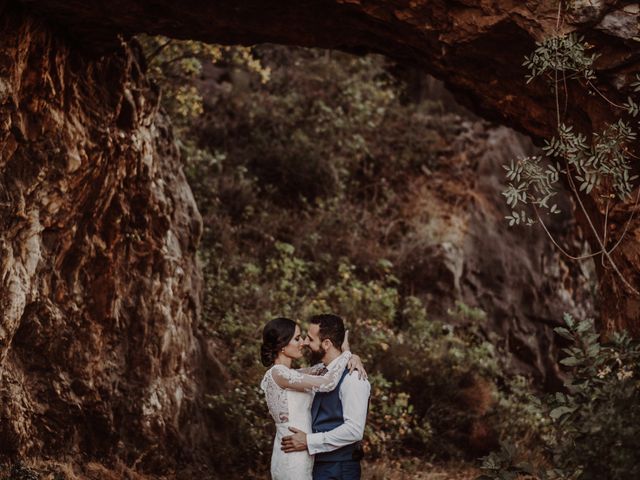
(598, 418)
(443, 380)
(392, 423)
(449, 378)
(244, 429)
(596, 421)
(307, 146)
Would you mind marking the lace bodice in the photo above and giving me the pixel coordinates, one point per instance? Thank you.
(279, 378)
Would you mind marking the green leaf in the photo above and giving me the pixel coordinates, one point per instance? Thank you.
(568, 319)
(526, 468)
(563, 332)
(570, 361)
(558, 412)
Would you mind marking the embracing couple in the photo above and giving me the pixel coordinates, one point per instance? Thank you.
(320, 411)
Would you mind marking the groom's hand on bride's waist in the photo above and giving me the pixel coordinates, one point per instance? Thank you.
(294, 443)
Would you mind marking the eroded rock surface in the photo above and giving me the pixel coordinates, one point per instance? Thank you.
(459, 247)
(99, 289)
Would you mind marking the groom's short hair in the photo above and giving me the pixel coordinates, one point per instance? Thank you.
(331, 328)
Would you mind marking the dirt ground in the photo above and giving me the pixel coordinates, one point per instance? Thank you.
(417, 470)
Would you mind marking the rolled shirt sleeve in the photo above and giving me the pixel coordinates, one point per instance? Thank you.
(354, 395)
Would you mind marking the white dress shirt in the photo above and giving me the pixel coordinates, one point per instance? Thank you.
(354, 395)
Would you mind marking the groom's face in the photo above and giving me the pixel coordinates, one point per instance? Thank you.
(315, 345)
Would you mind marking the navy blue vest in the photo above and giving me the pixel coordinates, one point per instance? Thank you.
(326, 414)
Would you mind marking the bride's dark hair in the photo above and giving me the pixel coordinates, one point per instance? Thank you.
(277, 333)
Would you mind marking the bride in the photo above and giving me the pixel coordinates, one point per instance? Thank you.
(289, 392)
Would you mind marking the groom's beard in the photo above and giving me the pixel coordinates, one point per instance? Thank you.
(315, 357)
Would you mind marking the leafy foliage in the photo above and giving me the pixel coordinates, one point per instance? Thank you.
(601, 162)
(599, 416)
(606, 159)
(307, 145)
(561, 53)
(531, 182)
(21, 472)
(175, 64)
(605, 162)
(435, 393)
(504, 465)
(596, 421)
(241, 416)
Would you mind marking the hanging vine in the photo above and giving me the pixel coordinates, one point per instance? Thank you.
(600, 163)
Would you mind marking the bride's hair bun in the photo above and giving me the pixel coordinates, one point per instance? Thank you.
(267, 355)
(277, 333)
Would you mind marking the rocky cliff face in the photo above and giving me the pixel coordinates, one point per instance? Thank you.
(99, 291)
(459, 247)
(464, 42)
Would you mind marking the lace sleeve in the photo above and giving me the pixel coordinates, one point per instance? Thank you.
(313, 370)
(294, 380)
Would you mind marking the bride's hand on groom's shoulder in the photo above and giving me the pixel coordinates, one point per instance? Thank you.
(345, 343)
(355, 363)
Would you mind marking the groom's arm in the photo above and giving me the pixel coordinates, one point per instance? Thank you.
(354, 394)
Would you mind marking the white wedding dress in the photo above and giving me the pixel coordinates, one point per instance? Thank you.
(289, 394)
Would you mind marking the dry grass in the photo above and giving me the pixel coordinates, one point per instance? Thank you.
(406, 469)
(417, 470)
(54, 470)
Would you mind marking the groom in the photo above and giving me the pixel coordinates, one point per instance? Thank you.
(339, 416)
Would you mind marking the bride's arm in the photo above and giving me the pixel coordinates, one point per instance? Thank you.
(294, 380)
(313, 370)
(355, 363)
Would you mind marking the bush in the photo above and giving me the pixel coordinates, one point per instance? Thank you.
(450, 380)
(442, 387)
(596, 421)
(392, 423)
(307, 146)
(598, 418)
(244, 429)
